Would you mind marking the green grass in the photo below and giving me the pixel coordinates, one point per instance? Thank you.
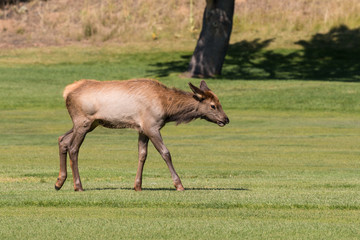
(286, 167)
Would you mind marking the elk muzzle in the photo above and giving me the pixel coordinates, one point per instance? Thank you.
(223, 122)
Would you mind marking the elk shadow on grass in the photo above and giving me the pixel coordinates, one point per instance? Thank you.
(331, 56)
(170, 189)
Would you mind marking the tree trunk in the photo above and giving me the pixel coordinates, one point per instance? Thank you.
(210, 51)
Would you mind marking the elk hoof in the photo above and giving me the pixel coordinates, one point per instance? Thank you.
(180, 188)
(59, 183)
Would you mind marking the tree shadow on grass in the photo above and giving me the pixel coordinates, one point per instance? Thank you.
(169, 189)
(331, 56)
(164, 69)
(250, 60)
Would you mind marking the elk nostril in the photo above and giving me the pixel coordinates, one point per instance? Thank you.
(227, 120)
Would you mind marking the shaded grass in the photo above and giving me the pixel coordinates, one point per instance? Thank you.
(285, 168)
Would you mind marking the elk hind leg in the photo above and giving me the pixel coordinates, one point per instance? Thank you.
(77, 139)
(64, 143)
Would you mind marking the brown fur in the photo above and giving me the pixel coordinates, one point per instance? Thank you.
(143, 104)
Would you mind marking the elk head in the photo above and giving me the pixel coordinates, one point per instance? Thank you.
(210, 108)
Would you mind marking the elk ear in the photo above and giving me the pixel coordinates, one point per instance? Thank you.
(203, 86)
(198, 93)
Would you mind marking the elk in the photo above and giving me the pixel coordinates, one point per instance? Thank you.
(145, 105)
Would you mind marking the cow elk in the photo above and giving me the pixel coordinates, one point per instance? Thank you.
(142, 104)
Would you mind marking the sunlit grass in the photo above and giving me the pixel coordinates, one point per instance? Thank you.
(286, 167)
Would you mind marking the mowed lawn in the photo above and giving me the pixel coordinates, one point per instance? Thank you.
(286, 167)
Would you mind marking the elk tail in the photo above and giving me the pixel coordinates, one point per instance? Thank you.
(71, 87)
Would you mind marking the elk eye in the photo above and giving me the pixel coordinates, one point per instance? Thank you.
(212, 106)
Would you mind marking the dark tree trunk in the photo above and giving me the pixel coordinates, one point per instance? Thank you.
(210, 51)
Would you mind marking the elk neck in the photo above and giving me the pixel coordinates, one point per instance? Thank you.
(180, 106)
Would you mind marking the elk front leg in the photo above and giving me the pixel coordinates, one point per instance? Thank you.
(142, 145)
(157, 140)
(64, 143)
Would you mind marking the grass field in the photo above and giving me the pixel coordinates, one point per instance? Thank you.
(286, 167)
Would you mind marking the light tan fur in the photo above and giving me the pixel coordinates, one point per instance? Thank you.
(71, 87)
